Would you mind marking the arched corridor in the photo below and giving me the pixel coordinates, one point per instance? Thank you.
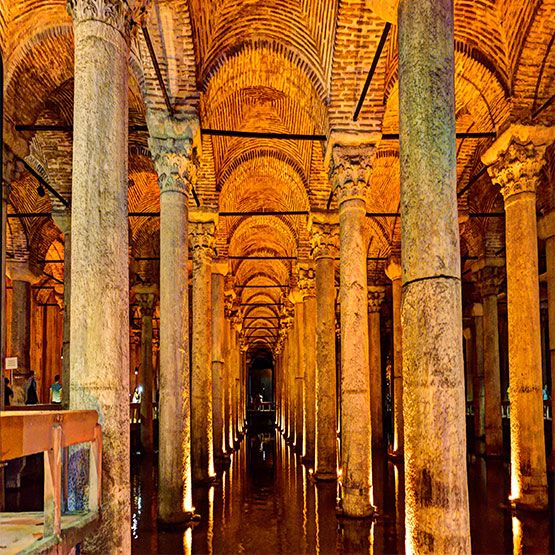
(277, 276)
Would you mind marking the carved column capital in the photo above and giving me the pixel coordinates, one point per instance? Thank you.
(517, 170)
(376, 295)
(393, 269)
(176, 165)
(203, 242)
(350, 171)
(115, 13)
(324, 240)
(306, 280)
(489, 280)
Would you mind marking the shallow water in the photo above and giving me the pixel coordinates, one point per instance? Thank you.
(266, 503)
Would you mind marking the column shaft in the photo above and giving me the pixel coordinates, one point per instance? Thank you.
(99, 334)
(528, 477)
(375, 362)
(398, 422)
(147, 416)
(20, 344)
(437, 519)
(550, 258)
(326, 422)
(356, 459)
(299, 377)
(218, 378)
(310, 378)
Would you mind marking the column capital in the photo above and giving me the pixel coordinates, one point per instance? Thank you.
(115, 13)
(220, 267)
(203, 241)
(393, 269)
(324, 239)
(546, 225)
(489, 280)
(62, 218)
(376, 295)
(516, 158)
(350, 170)
(174, 146)
(306, 278)
(146, 296)
(22, 270)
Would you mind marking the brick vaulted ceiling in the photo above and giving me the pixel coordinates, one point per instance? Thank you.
(285, 66)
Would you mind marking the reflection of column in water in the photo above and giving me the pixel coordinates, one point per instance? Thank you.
(378, 485)
(399, 509)
(310, 514)
(356, 536)
(326, 520)
(188, 542)
(530, 533)
(210, 532)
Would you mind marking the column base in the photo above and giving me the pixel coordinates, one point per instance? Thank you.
(396, 456)
(531, 503)
(183, 520)
(354, 507)
(205, 481)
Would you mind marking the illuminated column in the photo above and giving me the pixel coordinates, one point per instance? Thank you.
(298, 369)
(376, 295)
(546, 230)
(351, 174)
(22, 276)
(436, 489)
(490, 277)
(146, 300)
(63, 221)
(325, 238)
(479, 393)
(202, 246)
(227, 396)
(99, 334)
(307, 285)
(174, 157)
(394, 273)
(516, 160)
(219, 270)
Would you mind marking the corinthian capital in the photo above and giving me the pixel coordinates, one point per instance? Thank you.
(376, 294)
(203, 242)
(517, 170)
(176, 164)
(324, 240)
(115, 13)
(306, 280)
(351, 167)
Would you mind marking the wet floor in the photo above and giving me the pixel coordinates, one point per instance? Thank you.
(265, 503)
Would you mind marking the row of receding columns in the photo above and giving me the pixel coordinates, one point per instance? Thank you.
(432, 367)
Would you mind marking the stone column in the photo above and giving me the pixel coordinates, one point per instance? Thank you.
(325, 239)
(376, 295)
(219, 270)
(202, 246)
(298, 369)
(490, 276)
(436, 489)
(172, 145)
(351, 174)
(227, 398)
(546, 231)
(146, 300)
(22, 275)
(394, 273)
(479, 393)
(515, 161)
(99, 333)
(307, 286)
(63, 221)
(234, 372)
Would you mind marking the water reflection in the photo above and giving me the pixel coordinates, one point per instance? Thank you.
(266, 502)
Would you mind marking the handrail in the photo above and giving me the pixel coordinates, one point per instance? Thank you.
(25, 433)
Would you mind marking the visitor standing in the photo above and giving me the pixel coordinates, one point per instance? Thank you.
(56, 391)
(8, 392)
(31, 397)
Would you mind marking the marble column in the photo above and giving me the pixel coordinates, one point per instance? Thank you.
(490, 276)
(436, 516)
(394, 273)
(307, 286)
(219, 271)
(479, 384)
(325, 239)
(298, 378)
(376, 294)
(146, 299)
(515, 163)
(99, 335)
(351, 174)
(227, 397)
(63, 221)
(23, 276)
(173, 147)
(202, 246)
(546, 231)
